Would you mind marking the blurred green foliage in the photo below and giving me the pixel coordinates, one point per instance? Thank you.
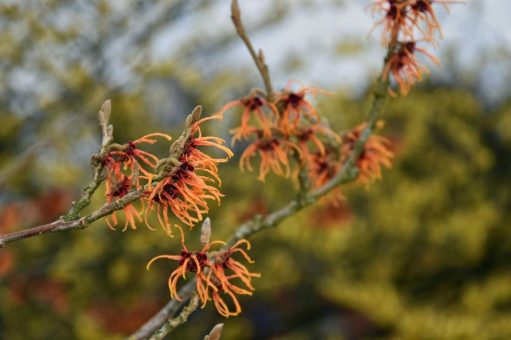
(422, 254)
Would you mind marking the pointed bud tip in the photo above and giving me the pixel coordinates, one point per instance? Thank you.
(215, 333)
(104, 112)
(205, 235)
(196, 113)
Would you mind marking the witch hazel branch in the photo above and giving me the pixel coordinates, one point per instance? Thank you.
(286, 136)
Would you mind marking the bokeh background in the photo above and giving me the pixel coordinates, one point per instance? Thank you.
(422, 254)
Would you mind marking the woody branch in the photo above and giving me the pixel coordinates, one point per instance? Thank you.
(72, 220)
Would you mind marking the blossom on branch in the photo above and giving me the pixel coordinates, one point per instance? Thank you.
(117, 188)
(295, 108)
(216, 274)
(323, 167)
(310, 135)
(131, 157)
(187, 188)
(422, 14)
(395, 19)
(194, 262)
(254, 105)
(226, 271)
(273, 153)
(404, 66)
(375, 154)
(405, 23)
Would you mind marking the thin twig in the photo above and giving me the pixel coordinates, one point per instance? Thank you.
(164, 314)
(63, 225)
(257, 57)
(97, 166)
(170, 325)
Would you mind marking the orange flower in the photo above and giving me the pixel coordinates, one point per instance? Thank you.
(273, 153)
(253, 105)
(295, 107)
(225, 270)
(395, 19)
(123, 164)
(185, 190)
(402, 17)
(200, 160)
(194, 262)
(404, 66)
(376, 153)
(118, 188)
(225, 261)
(323, 167)
(422, 12)
(311, 133)
(131, 157)
(215, 274)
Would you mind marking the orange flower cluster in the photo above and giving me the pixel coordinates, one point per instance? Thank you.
(123, 165)
(286, 127)
(404, 66)
(183, 192)
(218, 274)
(186, 190)
(289, 127)
(375, 155)
(324, 167)
(406, 23)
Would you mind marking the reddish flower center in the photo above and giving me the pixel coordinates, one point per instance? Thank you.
(130, 149)
(294, 99)
(171, 190)
(122, 188)
(268, 145)
(305, 135)
(322, 167)
(191, 266)
(410, 46)
(421, 6)
(393, 11)
(253, 103)
(182, 172)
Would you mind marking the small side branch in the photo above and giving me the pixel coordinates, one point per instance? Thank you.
(63, 225)
(97, 166)
(164, 314)
(170, 325)
(258, 58)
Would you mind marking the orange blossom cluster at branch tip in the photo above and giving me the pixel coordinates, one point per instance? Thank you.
(185, 190)
(182, 192)
(405, 24)
(287, 127)
(218, 275)
(375, 154)
(123, 165)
